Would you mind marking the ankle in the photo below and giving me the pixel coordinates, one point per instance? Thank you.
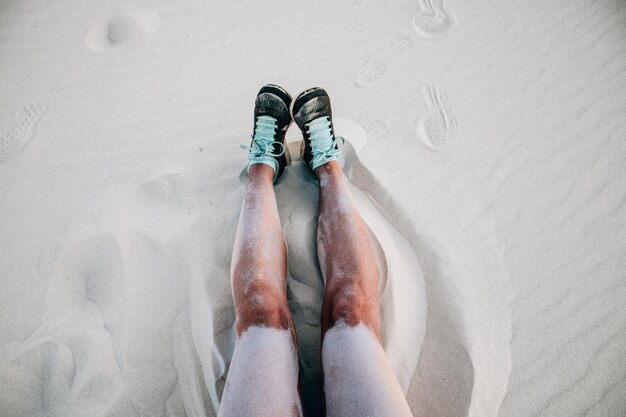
(328, 171)
(260, 172)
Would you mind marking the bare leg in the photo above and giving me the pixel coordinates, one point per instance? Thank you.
(263, 376)
(358, 379)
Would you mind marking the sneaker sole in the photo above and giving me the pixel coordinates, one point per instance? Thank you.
(283, 91)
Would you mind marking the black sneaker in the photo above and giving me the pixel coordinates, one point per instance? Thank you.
(312, 113)
(271, 120)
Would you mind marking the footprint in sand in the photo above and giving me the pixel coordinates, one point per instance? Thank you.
(376, 130)
(370, 67)
(167, 189)
(130, 27)
(13, 140)
(438, 127)
(433, 20)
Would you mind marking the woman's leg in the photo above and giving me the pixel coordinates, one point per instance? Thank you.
(358, 379)
(263, 376)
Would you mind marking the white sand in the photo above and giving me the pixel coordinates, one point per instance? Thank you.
(270, 387)
(486, 152)
(357, 378)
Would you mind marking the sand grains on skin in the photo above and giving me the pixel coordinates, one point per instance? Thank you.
(353, 359)
(269, 388)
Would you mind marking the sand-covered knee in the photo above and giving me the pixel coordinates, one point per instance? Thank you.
(358, 379)
(263, 376)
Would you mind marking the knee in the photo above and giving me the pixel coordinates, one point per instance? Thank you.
(348, 304)
(262, 305)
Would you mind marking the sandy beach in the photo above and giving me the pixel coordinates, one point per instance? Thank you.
(486, 151)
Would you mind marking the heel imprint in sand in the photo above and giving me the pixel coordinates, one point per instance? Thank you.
(439, 126)
(370, 67)
(433, 20)
(129, 27)
(13, 140)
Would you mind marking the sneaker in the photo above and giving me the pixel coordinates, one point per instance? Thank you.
(312, 113)
(271, 121)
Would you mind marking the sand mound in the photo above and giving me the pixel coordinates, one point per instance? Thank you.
(485, 152)
(130, 27)
(139, 305)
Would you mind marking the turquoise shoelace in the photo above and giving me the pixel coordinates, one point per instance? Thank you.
(261, 150)
(323, 143)
(263, 139)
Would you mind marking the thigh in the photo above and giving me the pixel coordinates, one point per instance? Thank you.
(263, 376)
(358, 380)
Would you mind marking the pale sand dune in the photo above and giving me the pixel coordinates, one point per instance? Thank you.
(485, 150)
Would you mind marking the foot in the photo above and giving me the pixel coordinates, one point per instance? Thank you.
(313, 115)
(271, 120)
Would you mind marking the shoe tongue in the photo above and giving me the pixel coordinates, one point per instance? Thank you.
(265, 129)
(319, 123)
(321, 134)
